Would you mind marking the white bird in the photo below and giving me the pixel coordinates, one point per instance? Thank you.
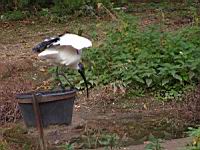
(66, 50)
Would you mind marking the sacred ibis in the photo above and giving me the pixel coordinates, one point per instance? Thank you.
(65, 49)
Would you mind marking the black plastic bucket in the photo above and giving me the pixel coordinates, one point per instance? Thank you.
(56, 107)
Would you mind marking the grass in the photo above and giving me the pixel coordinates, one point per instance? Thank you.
(154, 144)
(14, 15)
(3, 145)
(94, 138)
(195, 134)
(16, 137)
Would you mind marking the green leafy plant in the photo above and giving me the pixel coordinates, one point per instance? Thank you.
(69, 7)
(94, 138)
(154, 144)
(195, 134)
(68, 147)
(147, 58)
(13, 15)
(58, 9)
(108, 140)
(26, 147)
(3, 145)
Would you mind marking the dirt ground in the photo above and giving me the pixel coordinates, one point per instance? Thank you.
(105, 113)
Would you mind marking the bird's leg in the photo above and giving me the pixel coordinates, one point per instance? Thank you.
(62, 74)
(58, 79)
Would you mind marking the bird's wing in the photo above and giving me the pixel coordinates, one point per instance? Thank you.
(49, 53)
(76, 41)
(46, 43)
(64, 54)
(69, 55)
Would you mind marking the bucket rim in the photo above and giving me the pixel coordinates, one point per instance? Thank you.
(46, 96)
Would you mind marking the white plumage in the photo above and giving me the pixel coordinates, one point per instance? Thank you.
(65, 55)
(76, 41)
(67, 50)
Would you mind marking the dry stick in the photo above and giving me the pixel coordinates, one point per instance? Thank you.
(39, 122)
(107, 11)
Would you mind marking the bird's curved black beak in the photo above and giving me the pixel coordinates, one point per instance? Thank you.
(82, 73)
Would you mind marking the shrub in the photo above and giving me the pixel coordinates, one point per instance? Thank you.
(64, 7)
(148, 58)
(195, 134)
(13, 15)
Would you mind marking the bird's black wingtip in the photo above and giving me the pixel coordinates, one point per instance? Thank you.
(35, 50)
(40, 47)
(43, 45)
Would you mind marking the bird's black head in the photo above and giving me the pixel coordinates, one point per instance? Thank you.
(81, 70)
(81, 67)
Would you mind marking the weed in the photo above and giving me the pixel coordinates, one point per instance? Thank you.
(68, 147)
(94, 138)
(70, 7)
(54, 10)
(149, 58)
(26, 147)
(108, 140)
(13, 15)
(195, 134)
(3, 145)
(154, 144)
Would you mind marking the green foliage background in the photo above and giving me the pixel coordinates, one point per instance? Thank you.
(55, 10)
(71, 5)
(148, 58)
